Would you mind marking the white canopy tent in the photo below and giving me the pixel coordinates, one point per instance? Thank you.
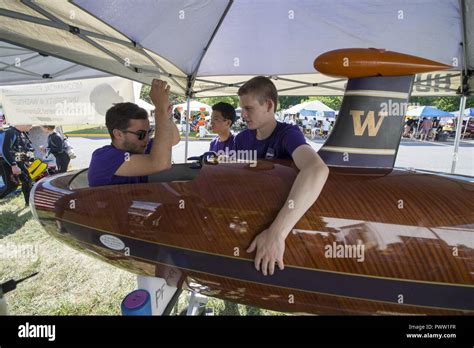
(21, 66)
(145, 105)
(222, 43)
(194, 105)
(311, 108)
(215, 56)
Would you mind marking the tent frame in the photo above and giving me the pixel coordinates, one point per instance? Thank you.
(463, 89)
(188, 91)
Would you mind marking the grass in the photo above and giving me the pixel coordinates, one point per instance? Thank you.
(68, 283)
(81, 128)
(92, 130)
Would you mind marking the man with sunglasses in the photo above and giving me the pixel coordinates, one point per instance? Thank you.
(131, 156)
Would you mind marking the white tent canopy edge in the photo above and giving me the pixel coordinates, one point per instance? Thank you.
(216, 56)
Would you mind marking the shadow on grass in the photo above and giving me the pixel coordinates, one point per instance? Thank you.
(11, 221)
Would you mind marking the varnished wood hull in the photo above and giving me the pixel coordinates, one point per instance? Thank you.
(417, 230)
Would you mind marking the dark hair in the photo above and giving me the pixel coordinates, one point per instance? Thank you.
(227, 111)
(50, 127)
(119, 115)
(262, 88)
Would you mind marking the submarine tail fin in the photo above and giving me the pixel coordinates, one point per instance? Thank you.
(369, 126)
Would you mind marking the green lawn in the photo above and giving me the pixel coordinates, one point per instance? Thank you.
(90, 130)
(68, 283)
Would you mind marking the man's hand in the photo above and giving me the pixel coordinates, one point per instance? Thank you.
(270, 249)
(16, 170)
(159, 94)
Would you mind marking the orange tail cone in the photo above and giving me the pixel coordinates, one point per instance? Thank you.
(365, 62)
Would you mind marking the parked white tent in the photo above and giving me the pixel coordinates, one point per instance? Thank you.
(313, 108)
(194, 106)
(145, 105)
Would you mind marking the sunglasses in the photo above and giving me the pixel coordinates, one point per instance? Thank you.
(141, 134)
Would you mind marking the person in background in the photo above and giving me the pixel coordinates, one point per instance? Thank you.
(325, 127)
(305, 123)
(222, 118)
(57, 148)
(434, 128)
(15, 144)
(426, 126)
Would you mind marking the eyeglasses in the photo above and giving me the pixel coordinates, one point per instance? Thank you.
(141, 134)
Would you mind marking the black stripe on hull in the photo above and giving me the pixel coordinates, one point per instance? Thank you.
(436, 295)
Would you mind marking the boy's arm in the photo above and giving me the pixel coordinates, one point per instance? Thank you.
(270, 244)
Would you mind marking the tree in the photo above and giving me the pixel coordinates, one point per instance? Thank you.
(174, 98)
(449, 104)
(232, 100)
(286, 102)
(333, 102)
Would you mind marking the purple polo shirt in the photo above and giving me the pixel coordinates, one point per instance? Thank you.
(217, 145)
(105, 162)
(279, 145)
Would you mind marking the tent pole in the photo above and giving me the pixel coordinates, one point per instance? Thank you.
(462, 104)
(465, 128)
(457, 138)
(188, 111)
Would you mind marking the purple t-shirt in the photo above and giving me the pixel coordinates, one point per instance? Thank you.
(217, 145)
(279, 145)
(105, 162)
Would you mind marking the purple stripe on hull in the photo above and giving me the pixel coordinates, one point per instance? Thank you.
(362, 287)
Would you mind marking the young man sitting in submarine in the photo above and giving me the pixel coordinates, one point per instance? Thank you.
(131, 156)
(277, 140)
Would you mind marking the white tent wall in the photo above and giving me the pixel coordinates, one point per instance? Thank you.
(65, 102)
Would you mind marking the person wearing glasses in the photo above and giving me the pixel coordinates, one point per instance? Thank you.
(222, 118)
(132, 156)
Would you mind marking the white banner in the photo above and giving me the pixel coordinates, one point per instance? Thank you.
(65, 103)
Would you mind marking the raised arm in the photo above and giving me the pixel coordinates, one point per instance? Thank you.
(159, 158)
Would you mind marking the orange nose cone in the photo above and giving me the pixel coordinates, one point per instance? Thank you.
(364, 62)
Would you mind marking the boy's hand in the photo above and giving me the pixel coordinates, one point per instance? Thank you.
(159, 94)
(270, 250)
